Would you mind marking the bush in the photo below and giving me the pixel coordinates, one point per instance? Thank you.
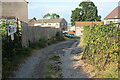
(40, 44)
(102, 45)
(59, 36)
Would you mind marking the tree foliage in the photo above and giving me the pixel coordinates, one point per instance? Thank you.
(102, 47)
(46, 15)
(52, 16)
(87, 12)
(34, 18)
(75, 15)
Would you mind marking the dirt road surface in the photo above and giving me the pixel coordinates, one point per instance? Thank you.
(35, 65)
(71, 63)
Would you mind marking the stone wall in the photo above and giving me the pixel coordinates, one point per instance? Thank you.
(34, 34)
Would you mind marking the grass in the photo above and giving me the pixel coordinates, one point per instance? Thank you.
(52, 71)
(43, 42)
(39, 44)
(50, 66)
(109, 72)
(54, 68)
(51, 75)
(55, 58)
(9, 66)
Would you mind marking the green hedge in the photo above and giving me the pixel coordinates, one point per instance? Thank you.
(102, 46)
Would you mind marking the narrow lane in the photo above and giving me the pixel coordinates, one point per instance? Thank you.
(71, 63)
(34, 66)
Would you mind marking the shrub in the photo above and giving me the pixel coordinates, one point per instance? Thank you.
(102, 46)
(59, 36)
(39, 44)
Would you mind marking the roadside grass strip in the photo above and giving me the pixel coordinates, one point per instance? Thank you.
(54, 69)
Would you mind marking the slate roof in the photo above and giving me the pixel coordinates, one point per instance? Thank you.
(115, 14)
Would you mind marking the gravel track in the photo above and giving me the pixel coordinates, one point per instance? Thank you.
(35, 65)
(71, 63)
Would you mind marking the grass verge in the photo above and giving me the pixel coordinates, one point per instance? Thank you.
(109, 72)
(55, 58)
(11, 65)
(53, 68)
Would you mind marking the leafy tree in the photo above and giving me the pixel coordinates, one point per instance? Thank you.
(75, 15)
(46, 15)
(34, 18)
(52, 16)
(57, 16)
(87, 12)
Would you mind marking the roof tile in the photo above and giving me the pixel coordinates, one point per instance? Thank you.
(115, 14)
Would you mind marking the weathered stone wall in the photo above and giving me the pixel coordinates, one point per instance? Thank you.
(34, 34)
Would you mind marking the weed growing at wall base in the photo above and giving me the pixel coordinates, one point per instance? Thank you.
(43, 42)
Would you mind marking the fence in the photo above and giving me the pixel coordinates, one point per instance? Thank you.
(33, 34)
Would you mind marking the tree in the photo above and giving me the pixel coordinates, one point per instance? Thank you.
(57, 16)
(52, 16)
(46, 15)
(87, 12)
(34, 18)
(75, 15)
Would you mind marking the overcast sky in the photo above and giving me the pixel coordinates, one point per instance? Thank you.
(37, 8)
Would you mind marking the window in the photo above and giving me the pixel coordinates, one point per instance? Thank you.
(62, 24)
(42, 24)
(49, 24)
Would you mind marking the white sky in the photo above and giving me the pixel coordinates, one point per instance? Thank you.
(37, 8)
